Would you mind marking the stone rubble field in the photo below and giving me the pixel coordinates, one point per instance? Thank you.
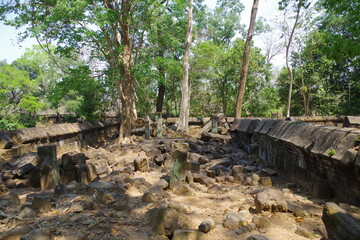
(135, 191)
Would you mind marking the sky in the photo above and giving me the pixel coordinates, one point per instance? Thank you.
(11, 50)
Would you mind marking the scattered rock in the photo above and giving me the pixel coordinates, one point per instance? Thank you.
(238, 173)
(41, 204)
(265, 181)
(27, 212)
(216, 189)
(340, 224)
(271, 200)
(234, 220)
(38, 234)
(245, 229)
(205, 180)
(261, 222)
(183, 190)
(189, 235)
(258, 237)
(164, 221)
(304, 233)
(141, 165)
(206, 225)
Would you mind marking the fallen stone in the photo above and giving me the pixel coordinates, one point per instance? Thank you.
(261, 222)
(27, 212)
(188, 235)
(193, 166)
(255, 177)
(238, 173)
(16, 233)
(216, 189)
(189, 179)
(21, 171)
(265, 181)
(245, 229)
(270, 200)
(183, 190)
(206, 225)
(38, 234)
(204, 180)
(153, 193)
(304, 233)
(297, 209)
(41, 204)
(340, 224)
(207, 137)
(9, 199)
(233, 220)
(164, 221)
(258, 237)
(178, 207)
(141, 165)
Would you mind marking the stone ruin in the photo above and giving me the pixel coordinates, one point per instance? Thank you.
(245, 179)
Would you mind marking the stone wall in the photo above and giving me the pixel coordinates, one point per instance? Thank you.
(324, 159)
(68, 137)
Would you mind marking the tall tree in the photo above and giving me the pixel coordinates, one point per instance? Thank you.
(297, 5)
(106, 28)
(245, 64)
(185, 99)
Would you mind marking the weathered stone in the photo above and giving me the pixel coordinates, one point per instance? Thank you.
(164, 221)
(258, 237)
(271, 200)
(179, 165)
(238, 173)
(34, 177)
(21, 171)
(15, 233)
(297, 209)
(230, 179)
(245, 229)
(189, 235)
(90, 172)
(207, 137)
(153, 193)
(48, 167)
(27, 212)
(193, 166)
(304, 233)
(159, 159)
(9, 199)
(42, 204)
(265, 181)
(38, 234)
(183, 190)
(207, 225)
(340, 224)
(233, 220)
(141, 165)
(189, 177)
(203, 160)
(255, 177)
(9, 183)
(216, 189)
(204, 180)
(194, 157)
(178, 207)
(261, 222)
(81, 175)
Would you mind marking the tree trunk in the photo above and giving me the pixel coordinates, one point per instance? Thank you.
(287, 60)
(126, 82)
(245, 63)
(185, 98)
(160, 98)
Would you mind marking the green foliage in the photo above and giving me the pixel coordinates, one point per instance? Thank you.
(332, 152)
(82, 93)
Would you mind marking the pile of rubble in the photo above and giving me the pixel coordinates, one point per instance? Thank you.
(166, 188)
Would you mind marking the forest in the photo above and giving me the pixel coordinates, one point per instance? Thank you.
(130, 57)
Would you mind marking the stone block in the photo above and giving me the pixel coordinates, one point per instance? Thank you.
(271, 200)
(48, 167)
